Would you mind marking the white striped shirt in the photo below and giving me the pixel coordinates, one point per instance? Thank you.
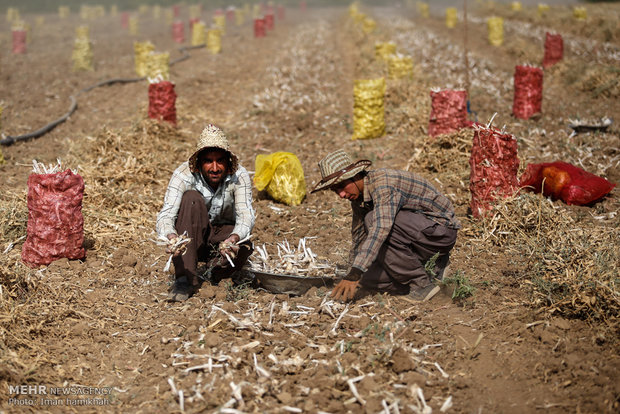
(231, 203)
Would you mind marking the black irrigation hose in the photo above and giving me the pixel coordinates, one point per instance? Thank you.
(186, 55)
(111, 82)
(9, 140)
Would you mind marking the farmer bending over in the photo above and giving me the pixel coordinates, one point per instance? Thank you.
(210, 198)
(400, 221)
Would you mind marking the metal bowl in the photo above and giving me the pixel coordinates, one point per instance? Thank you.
(289, 284)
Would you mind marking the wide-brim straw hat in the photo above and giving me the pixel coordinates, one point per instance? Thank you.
(338, 167)
(213, 137)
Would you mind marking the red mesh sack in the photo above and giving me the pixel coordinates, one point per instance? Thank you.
(554, 49)
(448, 112)
(176, 10)
(566, 182)
(125, 20)
(19, 41)
(528, 83)
(162, 101)
(494, 165)
(269, 21)
(302, 5)
(55, 227)
(230, 15)
(280, 12)
(259, 28)
(178, 32)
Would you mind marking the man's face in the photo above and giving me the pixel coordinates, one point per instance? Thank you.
(346, 189)
(214, 166)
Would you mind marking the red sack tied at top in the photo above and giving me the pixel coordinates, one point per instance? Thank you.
(554, 49)
(448, 112)
(528, 85)
(162, 102)
(55, 227)
(566, 182)
(494, 164)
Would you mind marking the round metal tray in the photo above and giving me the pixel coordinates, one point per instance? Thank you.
(289, 284)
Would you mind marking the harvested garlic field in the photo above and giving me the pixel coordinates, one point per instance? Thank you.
(527, 322)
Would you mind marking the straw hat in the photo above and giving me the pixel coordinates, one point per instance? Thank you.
(338, 167)
(213, 137)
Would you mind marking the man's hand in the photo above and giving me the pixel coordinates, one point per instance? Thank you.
(172, 238)
(229, 246)
(177, 244)
(345, 290)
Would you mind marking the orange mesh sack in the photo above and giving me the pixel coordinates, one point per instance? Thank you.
(55, 227)
(563, 181)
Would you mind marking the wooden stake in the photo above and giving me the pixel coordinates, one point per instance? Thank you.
(465, 49)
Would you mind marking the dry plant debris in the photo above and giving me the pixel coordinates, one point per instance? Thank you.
(571, 265)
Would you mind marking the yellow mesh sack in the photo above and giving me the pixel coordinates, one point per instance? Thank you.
(82, 32)
(82, 54)
(282, 175)
(220, 22)
(496, 30)
(516, 6)
(384, 49)
(354, 11)
(239, 17)
(359, 18)
(12, 15)
(580, 13)
(400, 66)
(542, 9)
(369, 25)
(141, 51)
(133, 26)
(198, 34)
(451, 17)
(423, 9)
(368, 108)
(214, 41)
(158, 65)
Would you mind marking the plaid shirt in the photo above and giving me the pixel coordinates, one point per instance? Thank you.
(386, 192)
(231, 203)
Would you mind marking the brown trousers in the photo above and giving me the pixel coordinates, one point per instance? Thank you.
(413, 240)
(193, 218)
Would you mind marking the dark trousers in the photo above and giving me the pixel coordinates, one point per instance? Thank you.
(193, 218)
(413, 240)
